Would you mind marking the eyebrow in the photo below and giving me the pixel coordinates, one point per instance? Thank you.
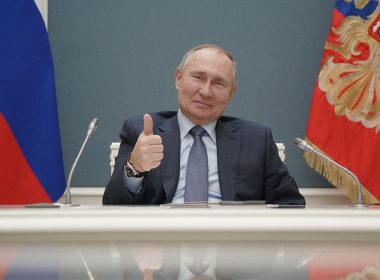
(200, 72)
(197, 72)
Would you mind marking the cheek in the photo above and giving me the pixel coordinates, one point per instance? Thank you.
(183, 97)
(187, 92)
(223, 99)
(191, 88)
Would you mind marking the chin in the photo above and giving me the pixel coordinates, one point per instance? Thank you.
(199, 115)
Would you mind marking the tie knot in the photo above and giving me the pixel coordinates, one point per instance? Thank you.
(197, 131)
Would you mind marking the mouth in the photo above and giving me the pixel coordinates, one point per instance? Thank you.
(202, 104)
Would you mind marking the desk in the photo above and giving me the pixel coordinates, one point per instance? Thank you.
(222, 223)
(260, 237)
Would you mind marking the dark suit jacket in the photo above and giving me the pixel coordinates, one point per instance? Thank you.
(249, 166)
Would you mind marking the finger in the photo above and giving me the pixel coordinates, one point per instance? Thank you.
(152, 140)
(156, 163)
(156, 157)
(156, 149)
(148, 125)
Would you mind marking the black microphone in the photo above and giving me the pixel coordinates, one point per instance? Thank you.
(306, 147)
(91, 129)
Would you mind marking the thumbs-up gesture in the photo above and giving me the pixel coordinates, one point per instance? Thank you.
(148, 151)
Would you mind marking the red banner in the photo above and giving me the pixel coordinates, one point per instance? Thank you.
(344, 120)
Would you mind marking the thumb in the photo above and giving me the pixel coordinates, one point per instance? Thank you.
(148, 125)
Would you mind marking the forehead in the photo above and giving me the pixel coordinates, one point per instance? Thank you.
(210, 59)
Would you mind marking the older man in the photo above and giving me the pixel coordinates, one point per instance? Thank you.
(196, 154)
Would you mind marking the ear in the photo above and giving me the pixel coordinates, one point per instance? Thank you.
(178, 76)
(234, 88)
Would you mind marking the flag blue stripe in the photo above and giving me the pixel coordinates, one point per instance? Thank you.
(27, 91)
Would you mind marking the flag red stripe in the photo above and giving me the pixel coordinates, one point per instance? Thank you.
(18, 183)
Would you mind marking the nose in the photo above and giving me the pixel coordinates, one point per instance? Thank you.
(205, 89)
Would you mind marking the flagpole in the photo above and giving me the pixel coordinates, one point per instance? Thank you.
(306, 147)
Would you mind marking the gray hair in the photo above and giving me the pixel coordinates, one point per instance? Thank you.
(211, 46)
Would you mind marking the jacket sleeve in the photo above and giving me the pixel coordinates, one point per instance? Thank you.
(116, 191)
(280, 187)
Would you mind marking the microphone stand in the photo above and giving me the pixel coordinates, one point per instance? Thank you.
(306, 147)
(91, 128)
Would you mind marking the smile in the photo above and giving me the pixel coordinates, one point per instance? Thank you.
(201, 104)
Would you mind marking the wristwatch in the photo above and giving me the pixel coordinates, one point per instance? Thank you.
(131, 171)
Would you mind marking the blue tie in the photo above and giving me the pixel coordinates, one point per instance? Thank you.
(196, 186)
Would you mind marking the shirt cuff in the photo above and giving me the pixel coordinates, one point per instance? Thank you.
(133, 184)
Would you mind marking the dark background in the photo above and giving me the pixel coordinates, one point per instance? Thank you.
(117, 58)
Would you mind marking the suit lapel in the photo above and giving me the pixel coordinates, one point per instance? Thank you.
(169, 131)
(228, 150)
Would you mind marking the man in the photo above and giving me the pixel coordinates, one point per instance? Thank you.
(241, 162)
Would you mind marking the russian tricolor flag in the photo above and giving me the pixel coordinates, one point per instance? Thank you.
(31, 166)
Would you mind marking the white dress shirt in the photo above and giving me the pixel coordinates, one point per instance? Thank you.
(185, 125)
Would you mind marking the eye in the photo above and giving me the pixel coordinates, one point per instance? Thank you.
(196, 76)
(220, 83)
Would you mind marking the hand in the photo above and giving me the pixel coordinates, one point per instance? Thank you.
(148, 151)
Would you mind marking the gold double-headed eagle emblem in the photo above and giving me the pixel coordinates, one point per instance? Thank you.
(350, 76)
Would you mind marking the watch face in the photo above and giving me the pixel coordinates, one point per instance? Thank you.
(130, 172)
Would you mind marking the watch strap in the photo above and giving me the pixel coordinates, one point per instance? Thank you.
(131, 170)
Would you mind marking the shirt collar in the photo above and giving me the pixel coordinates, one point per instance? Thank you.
(185, 125)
